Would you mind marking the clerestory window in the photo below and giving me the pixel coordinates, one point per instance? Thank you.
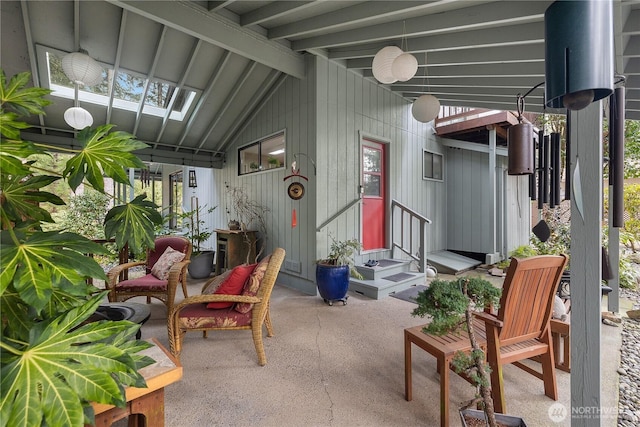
(127, 88)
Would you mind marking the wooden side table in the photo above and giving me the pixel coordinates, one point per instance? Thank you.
(144, 403)
(443, 348)
(232, 248)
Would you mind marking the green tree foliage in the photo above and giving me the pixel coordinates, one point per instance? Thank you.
(632, 149)
(52, 364)
(85, 214)
(632, 208)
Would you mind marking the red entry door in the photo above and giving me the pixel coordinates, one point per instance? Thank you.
(374, 195)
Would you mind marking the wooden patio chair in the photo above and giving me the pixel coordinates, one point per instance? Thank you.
(521, 329)
(250, 310)
(163, 273)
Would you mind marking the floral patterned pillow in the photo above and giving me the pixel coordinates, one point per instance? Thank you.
(161, 268)
(252, 285)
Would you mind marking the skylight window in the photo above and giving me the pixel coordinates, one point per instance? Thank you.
(128, 90)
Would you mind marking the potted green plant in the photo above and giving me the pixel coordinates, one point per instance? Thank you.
(273, 162)
(201, 259)
(254, 166)
(451, 304)
(332, 272)
(53, 365)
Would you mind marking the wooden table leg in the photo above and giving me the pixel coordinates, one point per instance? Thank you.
(407, 367)
(444, 392)
(151, 406)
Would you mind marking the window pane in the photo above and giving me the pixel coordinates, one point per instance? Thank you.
(372, 185)
(249, 159)
(371, 159)
(159, 94)
(437, 166)
(128, 87)
(428, 165)
(273, 151)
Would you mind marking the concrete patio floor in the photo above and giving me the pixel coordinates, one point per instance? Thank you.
(338, 366)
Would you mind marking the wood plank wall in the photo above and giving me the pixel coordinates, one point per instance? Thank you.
(324, 117)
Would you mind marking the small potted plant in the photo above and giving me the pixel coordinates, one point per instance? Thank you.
(201, 259)
(332, 272)
(254, 166)
(273, 162)
(451, 304)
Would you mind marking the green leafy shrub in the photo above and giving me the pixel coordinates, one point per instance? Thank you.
(52, 365)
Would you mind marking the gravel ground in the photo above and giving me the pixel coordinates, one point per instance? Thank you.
(629, 391)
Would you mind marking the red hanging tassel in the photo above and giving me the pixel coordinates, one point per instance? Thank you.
(294, 218)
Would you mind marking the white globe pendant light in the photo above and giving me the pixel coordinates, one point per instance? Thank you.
(425, 108)
(78, 118)
(82, 69)
(382, 63)
(404, 67)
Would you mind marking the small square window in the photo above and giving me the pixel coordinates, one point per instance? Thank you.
(432, 166)
(267, 153)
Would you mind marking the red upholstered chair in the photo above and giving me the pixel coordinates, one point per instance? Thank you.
(161, 279)
(250, 310)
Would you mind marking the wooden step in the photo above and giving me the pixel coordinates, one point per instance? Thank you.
(383, 286)
(385, 267)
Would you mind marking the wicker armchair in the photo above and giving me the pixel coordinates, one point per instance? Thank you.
(248, 312)
(150, 285)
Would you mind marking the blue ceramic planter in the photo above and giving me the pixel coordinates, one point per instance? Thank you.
(333, 282)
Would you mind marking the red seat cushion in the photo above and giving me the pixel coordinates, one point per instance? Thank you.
(233, 285)
(196, 316)
(142, 284)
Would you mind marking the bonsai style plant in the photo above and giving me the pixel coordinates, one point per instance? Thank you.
(332, 272)
(201, 259)
(451, 305)
(52, 364)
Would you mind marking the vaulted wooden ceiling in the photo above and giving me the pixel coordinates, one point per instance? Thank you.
(232, 54)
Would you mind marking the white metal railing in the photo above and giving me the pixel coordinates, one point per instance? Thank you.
(406, 222)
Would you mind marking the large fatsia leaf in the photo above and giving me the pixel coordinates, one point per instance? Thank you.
(13, 152)
(103, 153)
(61, 369)
(10, 127)
(17, 315)
(16, 97)
(36, 263)
(21, 197)
(133, 223)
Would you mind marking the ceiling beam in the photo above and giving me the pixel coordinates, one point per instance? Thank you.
(150, 75)
(244, 76)
(258, 100)
(204, 96)
(179, 86)
(24, 6)
(467, 90)
(272, 11)
(116, 64)
(489, 55)
(213, 6)
(510, 35)
(360, 13)
(190, 19)
(475, 17)
(518, 69)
